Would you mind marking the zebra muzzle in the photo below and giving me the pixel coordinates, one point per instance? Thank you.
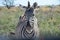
(29, 29)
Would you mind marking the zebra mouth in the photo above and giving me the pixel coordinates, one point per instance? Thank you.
(29, 30)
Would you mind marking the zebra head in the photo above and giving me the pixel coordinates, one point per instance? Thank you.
(29, 10)
(29, 15)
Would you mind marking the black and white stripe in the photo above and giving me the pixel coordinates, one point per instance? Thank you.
(27, 27)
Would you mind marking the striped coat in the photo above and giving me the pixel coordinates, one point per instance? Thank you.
(22, 25)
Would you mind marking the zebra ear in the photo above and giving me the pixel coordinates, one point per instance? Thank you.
(22, 7)
(35, 5)
(28, 4)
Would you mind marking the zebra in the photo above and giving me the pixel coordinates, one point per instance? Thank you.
(27, 28)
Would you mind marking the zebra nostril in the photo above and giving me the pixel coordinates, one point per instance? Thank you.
(32, 14)
(28, 24)
(32, 20)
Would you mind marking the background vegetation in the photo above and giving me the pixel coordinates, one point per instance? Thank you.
(48, 20)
